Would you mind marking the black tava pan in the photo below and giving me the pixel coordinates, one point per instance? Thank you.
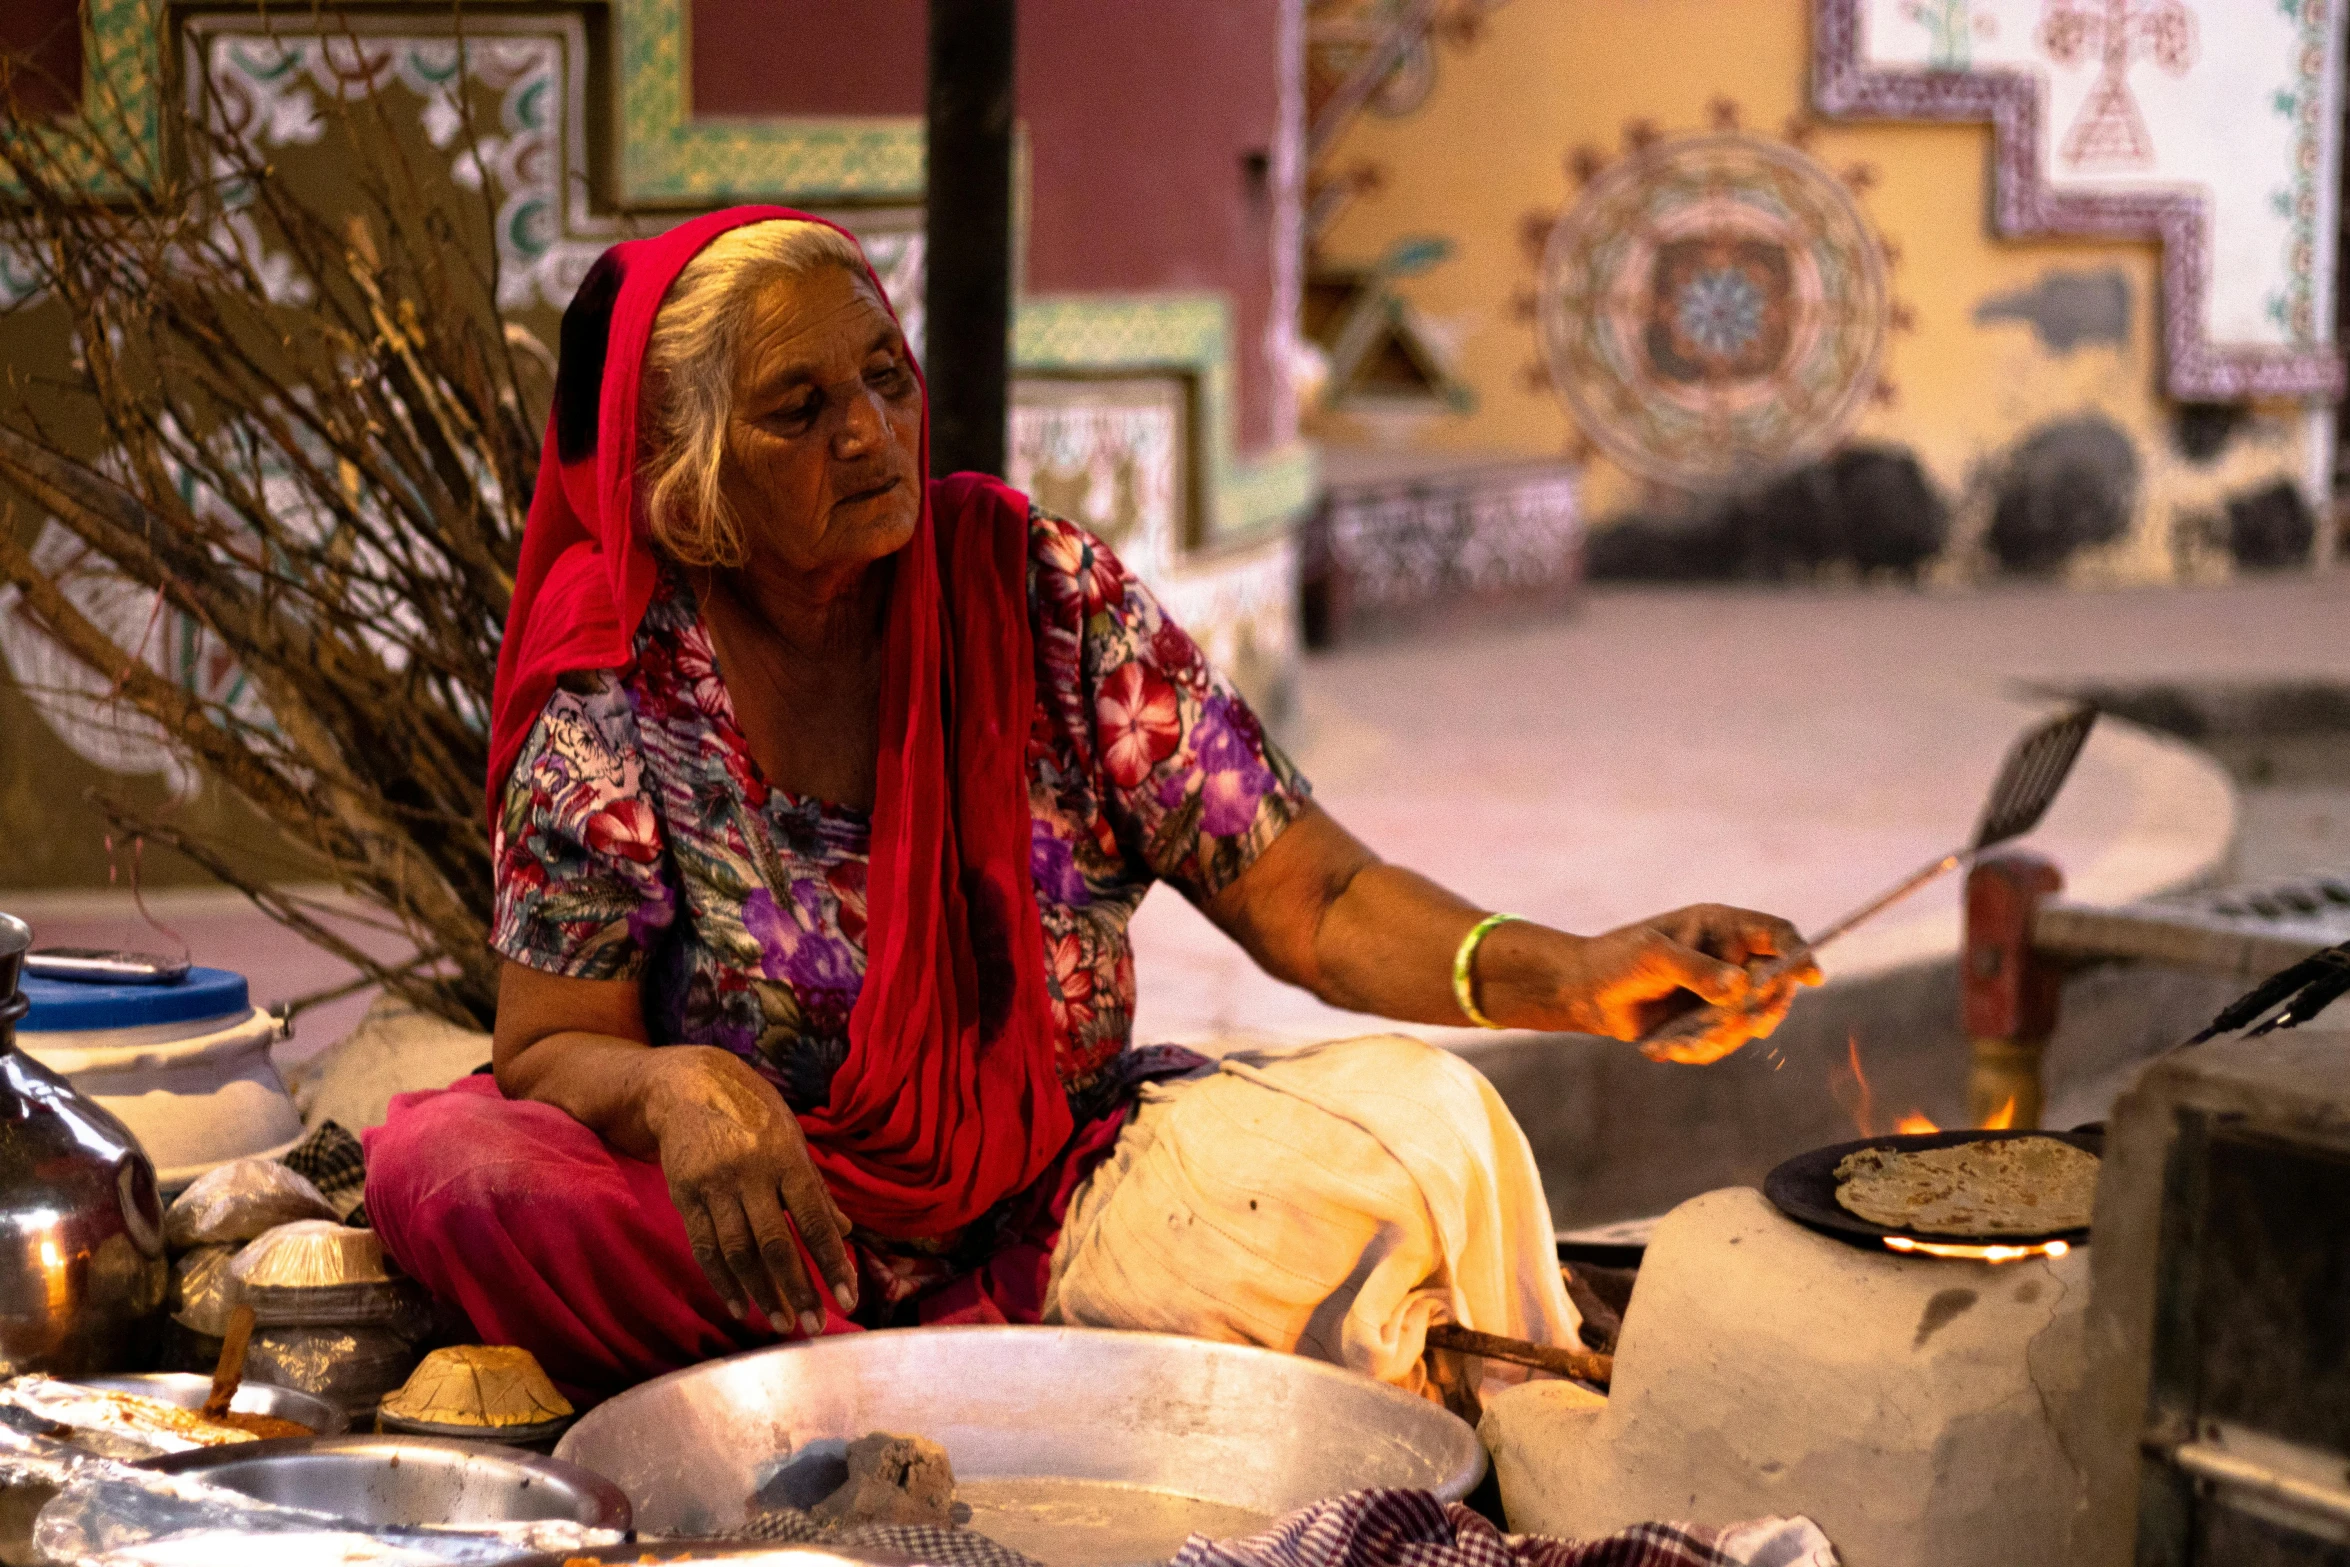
(1804, 1189)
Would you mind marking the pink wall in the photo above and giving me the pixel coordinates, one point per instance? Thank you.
(50, 32)
(1142, 120)
(808, 56)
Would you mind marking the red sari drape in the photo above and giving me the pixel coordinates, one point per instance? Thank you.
(948, 1101)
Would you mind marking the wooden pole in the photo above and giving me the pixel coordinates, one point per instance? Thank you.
(2008, 991)
(967, 207)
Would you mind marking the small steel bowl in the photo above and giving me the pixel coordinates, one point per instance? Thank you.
(408, 1481)
(188, 1391)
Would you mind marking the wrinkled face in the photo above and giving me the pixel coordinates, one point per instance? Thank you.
(824, 443)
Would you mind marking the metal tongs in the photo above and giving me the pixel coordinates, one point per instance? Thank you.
(2029, 780)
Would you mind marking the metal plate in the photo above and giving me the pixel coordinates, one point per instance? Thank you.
(1804, 1188)
(1149, 1417)
(188, 1391)
(408, 1480)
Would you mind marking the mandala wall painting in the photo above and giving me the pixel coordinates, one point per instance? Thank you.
(1713, 306)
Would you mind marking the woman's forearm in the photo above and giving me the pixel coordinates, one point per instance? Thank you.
(580, 1046)
(599, 1081)
(1385, 945)
(1320, 910)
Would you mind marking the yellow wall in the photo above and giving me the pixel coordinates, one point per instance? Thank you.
(1494, 143)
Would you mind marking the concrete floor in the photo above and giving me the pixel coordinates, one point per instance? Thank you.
(1792, 750)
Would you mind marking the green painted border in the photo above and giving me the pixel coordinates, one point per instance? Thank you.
(670, 158)
(1191, 333)
(122, 55)
(667, 157)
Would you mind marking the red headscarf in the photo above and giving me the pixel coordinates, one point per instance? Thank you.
(949, 1099)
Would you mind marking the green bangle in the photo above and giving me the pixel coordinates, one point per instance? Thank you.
(1464, 983)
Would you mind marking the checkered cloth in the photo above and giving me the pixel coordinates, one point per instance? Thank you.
(924, 1545)
(329, 1158)
(1366, 1529)
(1414, 1529)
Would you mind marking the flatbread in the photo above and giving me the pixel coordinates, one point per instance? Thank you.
(2003, 1186)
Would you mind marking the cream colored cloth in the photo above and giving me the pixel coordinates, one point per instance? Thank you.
(1334, 1202)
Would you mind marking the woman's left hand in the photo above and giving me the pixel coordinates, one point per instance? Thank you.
(1631, 980)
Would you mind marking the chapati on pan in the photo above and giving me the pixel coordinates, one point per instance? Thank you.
(2004, 1186)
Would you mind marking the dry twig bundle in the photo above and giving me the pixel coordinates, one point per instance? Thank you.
(318, 448)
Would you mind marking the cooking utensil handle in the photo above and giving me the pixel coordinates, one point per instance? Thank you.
(1580, 1364)
(1877, 905)
(231, 1369)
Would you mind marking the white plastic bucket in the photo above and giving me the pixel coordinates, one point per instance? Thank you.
(196, 1093)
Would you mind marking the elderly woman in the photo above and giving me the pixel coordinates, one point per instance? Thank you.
(823, 794)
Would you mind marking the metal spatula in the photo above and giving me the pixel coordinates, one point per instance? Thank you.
(2035, 770)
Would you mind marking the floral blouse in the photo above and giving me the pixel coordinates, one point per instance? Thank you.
(639, 840)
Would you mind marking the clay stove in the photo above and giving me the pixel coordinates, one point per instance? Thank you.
(1921, 1410)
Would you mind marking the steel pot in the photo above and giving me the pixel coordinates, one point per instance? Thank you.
(82, 1268)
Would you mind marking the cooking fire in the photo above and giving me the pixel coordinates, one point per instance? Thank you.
(1903, 1243)
(1858, 1096)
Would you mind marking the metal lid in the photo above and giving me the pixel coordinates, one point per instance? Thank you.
(64, 1006)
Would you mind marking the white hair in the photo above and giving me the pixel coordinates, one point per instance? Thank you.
(689, 377)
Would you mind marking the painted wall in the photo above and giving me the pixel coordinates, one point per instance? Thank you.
(45, 32)
(1151, 132)
(1146, 399)
(1987, 341)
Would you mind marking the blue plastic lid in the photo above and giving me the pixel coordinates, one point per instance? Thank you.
(64, 1006)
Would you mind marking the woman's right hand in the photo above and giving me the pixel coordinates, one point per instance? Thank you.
(737, 1164)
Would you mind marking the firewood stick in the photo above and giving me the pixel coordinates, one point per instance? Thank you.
(1580, 1364)
(231, 1369)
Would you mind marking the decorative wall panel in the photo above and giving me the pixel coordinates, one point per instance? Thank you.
(2211, 125)
(1382, 548)
(1112, 453)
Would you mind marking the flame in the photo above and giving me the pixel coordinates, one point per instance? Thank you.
(1852, 1091)
(1903, 1243)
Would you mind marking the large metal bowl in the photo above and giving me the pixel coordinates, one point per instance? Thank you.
(1144, 1417)
(408, 1480)
(188, 1391)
